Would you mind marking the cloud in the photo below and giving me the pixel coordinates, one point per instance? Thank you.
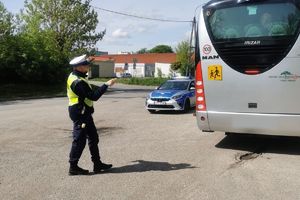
(141, 30)
(115, 42)
(131, 34)
(119, 33)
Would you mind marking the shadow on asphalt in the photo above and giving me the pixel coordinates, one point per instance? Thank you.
(103, 131)
(145, 166)
(261, 144)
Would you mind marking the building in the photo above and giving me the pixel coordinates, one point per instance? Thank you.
(102, 68)
(140, 65)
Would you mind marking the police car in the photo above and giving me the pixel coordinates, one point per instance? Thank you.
(177, 94)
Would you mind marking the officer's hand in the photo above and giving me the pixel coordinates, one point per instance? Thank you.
(111, 82)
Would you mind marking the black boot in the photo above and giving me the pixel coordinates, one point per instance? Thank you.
(100, 166)
(75, 170)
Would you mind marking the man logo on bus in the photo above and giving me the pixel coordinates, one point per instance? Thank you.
(206, 49)
(210, 57)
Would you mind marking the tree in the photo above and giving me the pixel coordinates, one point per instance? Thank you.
(176, 66)
(70, 24)
(142, 51)
(6, 22)
(53, 31)
(183, 58)
(161, 49)
(159, 73)
(7, 45)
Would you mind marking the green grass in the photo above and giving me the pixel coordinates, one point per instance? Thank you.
(136, 81)
(30, 91)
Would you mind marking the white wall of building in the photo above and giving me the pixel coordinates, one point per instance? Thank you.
(121, 65)
(118, 65)
(165, 70)
(139, 70)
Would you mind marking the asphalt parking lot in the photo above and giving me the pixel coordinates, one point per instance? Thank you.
(155, 156)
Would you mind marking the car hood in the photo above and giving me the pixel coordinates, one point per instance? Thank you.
(164, 93)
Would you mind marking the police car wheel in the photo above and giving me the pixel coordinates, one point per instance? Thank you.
(187, 105)
(151, 111)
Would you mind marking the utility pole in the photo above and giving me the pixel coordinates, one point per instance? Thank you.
(192, 49)
(134, 60)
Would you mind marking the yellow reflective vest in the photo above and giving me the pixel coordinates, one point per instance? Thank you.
(74, 98)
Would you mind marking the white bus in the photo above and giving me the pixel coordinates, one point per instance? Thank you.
(248, 74)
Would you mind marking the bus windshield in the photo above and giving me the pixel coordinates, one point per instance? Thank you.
(253, 20)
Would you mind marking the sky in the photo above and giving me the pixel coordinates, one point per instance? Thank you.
(128, 34)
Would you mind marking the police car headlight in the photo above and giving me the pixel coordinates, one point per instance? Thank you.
(177, 96)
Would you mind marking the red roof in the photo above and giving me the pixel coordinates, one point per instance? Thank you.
(99, 59)
(148, 58)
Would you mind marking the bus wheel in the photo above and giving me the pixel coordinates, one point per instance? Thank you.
(187, 105)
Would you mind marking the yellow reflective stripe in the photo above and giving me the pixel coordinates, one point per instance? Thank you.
(87, 101)
(73, 98)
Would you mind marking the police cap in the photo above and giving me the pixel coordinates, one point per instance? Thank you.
(80, 60)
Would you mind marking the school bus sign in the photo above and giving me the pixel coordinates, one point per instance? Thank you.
(215, 72)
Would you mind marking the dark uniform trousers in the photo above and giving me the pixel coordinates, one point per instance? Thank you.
(80, 135)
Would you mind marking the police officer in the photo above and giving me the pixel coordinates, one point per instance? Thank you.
(81, 97)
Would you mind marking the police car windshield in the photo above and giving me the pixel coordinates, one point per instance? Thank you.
(174, 85)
